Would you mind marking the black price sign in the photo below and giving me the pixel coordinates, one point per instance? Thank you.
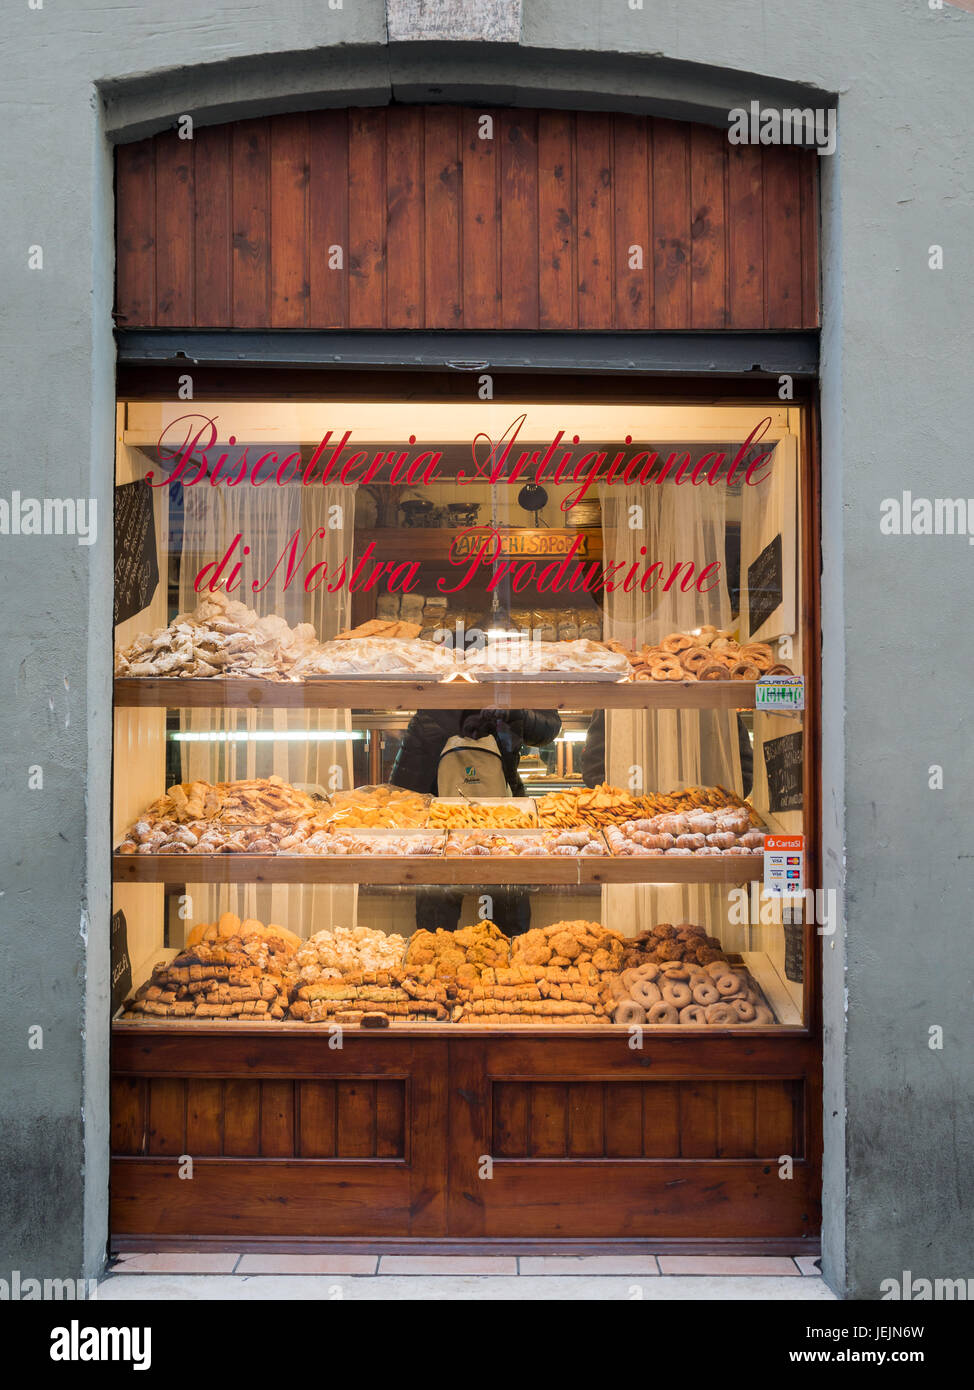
(121, 965)
(765, 586)
(794, 952)
(784, 762)
(136, 563)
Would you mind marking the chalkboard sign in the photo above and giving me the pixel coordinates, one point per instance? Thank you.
(794, 952)
(783, 761)
(136, 563)
(121, 965)
(765, 586)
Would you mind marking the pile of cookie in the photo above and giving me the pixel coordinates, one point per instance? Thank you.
(701, 832)
(606, 805)
(680, 976)
(221, 637)
(557, 974)
(256, 816)
(706, 653)
(231, 969)
(561, 843)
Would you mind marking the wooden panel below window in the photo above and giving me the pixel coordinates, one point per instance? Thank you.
(648, 1119)
(439, 217)
(461, 1138)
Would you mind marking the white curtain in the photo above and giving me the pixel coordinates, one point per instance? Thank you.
(671, 748)
(267, 518)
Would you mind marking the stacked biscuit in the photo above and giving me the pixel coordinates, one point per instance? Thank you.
(700, 832)
(257, 816)
(355, 975)
(234, 970)
(678, 976)
(560, 843)
(707, 653)
(382, 806)
(606, 805)
(221, 637)
(557, 974)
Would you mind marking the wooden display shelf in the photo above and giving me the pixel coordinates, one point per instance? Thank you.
(343, 693)
(420, 870)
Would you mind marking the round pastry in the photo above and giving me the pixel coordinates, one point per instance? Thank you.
(649, 971)
(713, 671)
(762, 1014)
(677, 642)
(628, 1011)
(695, 658)
(706, 993)
(745, 671)
(667, 670)
(722, 1016)
(645, 992)
(693, 1014)
(663, 1013)
(779, 670)
(678, 994)
(674, 970)
(628, 977)
(728, 984)
(716, 968)
(745, 1012)
(642, 673)
(724, 644)
(758, 652)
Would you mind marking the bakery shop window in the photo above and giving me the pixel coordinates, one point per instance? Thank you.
(461, 716)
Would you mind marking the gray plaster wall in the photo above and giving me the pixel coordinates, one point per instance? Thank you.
(897, 413)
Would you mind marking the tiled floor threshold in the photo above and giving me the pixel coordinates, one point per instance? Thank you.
(200, 1262)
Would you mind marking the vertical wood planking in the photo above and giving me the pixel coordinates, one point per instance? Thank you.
(775, 1128)
(548, 1120)
(623, 1119)
(135, 234)
(356, 1119)
(808, 180)
(782, 233)
(671, 224)
(596, 237)
(212, 226)
(390, 1119)
(661, 1119)
(175, 202)
(443, 295)
(518, 137)
(557, 231)
(328, 220)
(405, 220)
(167, 1116)
(290, 174)
(366, 218)
(698, 1119)
(204, 1107)
(632, 175)
(128, 1115)
(510, 1119)
(316, 1119)
(745, 215)
(708, 227)
(480, 221)
(250, 156)
(532, 227)
(241, 1119)
(735, 1119)
(277, 1119)
(586, 1119)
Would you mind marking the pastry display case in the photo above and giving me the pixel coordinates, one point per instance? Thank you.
(463, 814)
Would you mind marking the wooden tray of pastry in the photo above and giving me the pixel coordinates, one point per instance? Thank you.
(404, 694)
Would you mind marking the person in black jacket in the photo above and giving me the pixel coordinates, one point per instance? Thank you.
(416, 768)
